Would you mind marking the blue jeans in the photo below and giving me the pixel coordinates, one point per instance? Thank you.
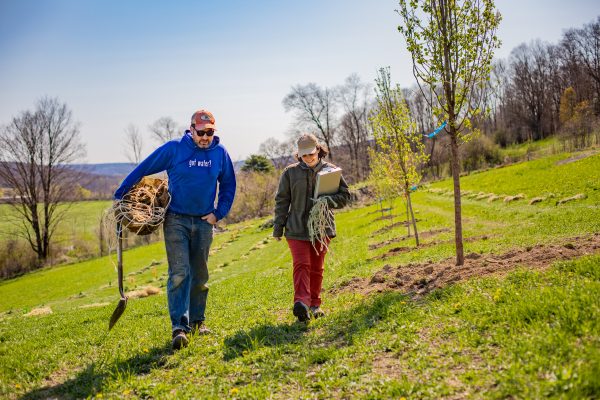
(187, 241)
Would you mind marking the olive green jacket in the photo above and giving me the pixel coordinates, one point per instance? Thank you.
(294, 200)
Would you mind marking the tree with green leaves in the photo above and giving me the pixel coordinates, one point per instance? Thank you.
(380, 180)
(452, 44)
(401, 148)
(257, 163)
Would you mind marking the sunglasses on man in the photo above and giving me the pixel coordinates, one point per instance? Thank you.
(208, 132)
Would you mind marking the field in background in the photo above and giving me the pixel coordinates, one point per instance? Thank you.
(528, 331)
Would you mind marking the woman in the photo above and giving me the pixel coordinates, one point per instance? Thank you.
(293, 203)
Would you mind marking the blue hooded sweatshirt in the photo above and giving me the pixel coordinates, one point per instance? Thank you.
(193, 175)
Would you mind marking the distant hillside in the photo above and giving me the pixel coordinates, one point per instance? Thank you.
(122, 169)
(103, 178)
(107, 169)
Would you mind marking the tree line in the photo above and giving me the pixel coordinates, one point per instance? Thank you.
(542, 89)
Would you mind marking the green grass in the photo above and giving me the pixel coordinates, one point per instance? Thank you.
(537, 149)
(529, 334)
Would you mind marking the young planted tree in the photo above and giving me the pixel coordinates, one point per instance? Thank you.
(452, 44)
(381, 181)
(401, 147)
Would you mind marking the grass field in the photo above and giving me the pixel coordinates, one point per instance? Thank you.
(77, 231)
(530, 333)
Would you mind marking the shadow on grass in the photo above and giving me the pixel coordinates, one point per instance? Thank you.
(261, 336)
(344, 326)
(89, 381)
(339, 328)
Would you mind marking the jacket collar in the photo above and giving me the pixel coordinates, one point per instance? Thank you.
(317, 167)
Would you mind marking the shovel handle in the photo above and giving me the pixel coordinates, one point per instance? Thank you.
(120, 257)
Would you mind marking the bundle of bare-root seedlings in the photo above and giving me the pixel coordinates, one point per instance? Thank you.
(142, 210)
(320, 218)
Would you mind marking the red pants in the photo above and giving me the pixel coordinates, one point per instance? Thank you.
(308, 271)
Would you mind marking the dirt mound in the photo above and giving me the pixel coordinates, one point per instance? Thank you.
(420, 279)
(39, 311)
(145, 292)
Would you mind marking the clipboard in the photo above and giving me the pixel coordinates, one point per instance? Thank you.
(328, 181)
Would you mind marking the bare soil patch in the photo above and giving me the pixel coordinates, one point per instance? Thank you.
(578, 157)
(418, 279)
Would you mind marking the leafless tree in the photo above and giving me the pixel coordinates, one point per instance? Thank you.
(419, 107)
(164, 129)
(529, 91)
(315, 109)
(35, 152)
(134, 144)
(353, 130)
(573, 70)
(586, 45)
(280, 153)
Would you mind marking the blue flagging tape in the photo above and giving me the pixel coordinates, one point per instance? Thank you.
(432, 134)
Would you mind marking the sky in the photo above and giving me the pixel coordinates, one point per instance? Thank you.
(116, 63)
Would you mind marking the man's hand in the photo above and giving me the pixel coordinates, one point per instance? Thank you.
(210, 218)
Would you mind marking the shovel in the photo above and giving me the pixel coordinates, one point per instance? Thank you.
(123, 300)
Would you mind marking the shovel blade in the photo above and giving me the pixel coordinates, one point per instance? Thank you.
(117, 313)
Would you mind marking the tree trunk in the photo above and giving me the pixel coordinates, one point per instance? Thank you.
(35, 225)
(430, 162)
(407, 218)
(460, 259)
(414, 221)
(101, 238)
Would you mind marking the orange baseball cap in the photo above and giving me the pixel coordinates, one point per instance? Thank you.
(203, 120)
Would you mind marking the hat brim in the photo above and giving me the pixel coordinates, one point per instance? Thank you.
(203, 127)
(310, 150)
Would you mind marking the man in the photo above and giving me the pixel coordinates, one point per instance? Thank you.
(195, 164)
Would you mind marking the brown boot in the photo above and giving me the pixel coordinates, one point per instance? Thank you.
(180, 339)
(316, 312)
(301, 311)
(199, 328)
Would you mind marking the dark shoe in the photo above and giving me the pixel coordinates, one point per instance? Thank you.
(199, 328)
(301, 311)
(180, 339)
(316, 312)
